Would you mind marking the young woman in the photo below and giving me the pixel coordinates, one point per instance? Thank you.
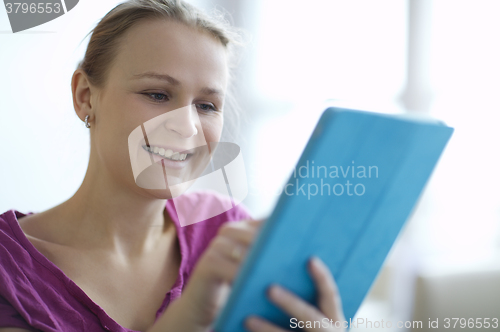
(114, 256)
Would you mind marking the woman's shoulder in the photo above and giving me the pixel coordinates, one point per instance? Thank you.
(10, 230)
(17, 257)
(8, 240)
(14, 272)
(7, 217)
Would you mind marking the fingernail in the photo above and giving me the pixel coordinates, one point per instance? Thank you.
(277, 291)
(317, 262)
(254, 323)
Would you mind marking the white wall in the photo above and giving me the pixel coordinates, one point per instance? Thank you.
(44, 146)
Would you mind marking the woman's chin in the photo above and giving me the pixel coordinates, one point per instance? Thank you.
(168, 193)
(159, 193)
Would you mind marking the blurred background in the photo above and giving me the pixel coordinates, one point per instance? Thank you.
(437, 58)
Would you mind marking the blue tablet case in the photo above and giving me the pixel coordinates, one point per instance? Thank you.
(352, 233)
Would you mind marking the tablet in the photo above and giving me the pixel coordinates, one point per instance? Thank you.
(346, 201)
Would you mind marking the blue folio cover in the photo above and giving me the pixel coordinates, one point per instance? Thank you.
(352, 230)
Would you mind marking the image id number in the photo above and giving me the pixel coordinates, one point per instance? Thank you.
(471, 323)
(18, 7)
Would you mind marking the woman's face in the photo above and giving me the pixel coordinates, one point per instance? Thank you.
(164, 89)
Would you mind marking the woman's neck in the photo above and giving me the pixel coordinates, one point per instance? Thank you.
(104, 215)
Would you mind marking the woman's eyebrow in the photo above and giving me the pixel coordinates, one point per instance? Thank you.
(163, 77)
(212, 91)
(173, 81)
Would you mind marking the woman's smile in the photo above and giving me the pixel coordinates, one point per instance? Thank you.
(167, 157)
(166, 153)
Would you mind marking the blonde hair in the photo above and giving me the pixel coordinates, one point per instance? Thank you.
(106, 36)
(108, 33)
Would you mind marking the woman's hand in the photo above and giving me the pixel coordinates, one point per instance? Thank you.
(210, 283)
(330, 306)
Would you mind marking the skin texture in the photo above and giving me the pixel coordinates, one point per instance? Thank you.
(110, 226)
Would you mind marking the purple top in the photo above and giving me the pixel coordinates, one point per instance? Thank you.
(36, 295)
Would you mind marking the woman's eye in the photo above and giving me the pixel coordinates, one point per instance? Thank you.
(207, 107)
(157, 97)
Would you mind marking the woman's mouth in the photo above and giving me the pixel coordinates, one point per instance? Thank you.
(166, 153)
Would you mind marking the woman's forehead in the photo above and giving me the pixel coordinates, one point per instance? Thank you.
(172, 48)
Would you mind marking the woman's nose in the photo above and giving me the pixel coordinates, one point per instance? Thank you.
(183, 121)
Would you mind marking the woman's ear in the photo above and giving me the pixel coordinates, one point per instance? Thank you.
(81, 89)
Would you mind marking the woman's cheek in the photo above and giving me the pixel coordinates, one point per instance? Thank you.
(212, 128)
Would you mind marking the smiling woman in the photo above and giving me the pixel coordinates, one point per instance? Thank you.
(113, 257)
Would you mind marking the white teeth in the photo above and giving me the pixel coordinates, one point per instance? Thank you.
(169, 154)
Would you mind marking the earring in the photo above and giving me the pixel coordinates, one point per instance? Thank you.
(87, 121)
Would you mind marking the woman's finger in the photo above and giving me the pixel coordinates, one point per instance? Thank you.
(256, 222)
(227, 246)
(216, 263)
(243, 232)
(293, 305)
(329, 301)
(259, 324)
